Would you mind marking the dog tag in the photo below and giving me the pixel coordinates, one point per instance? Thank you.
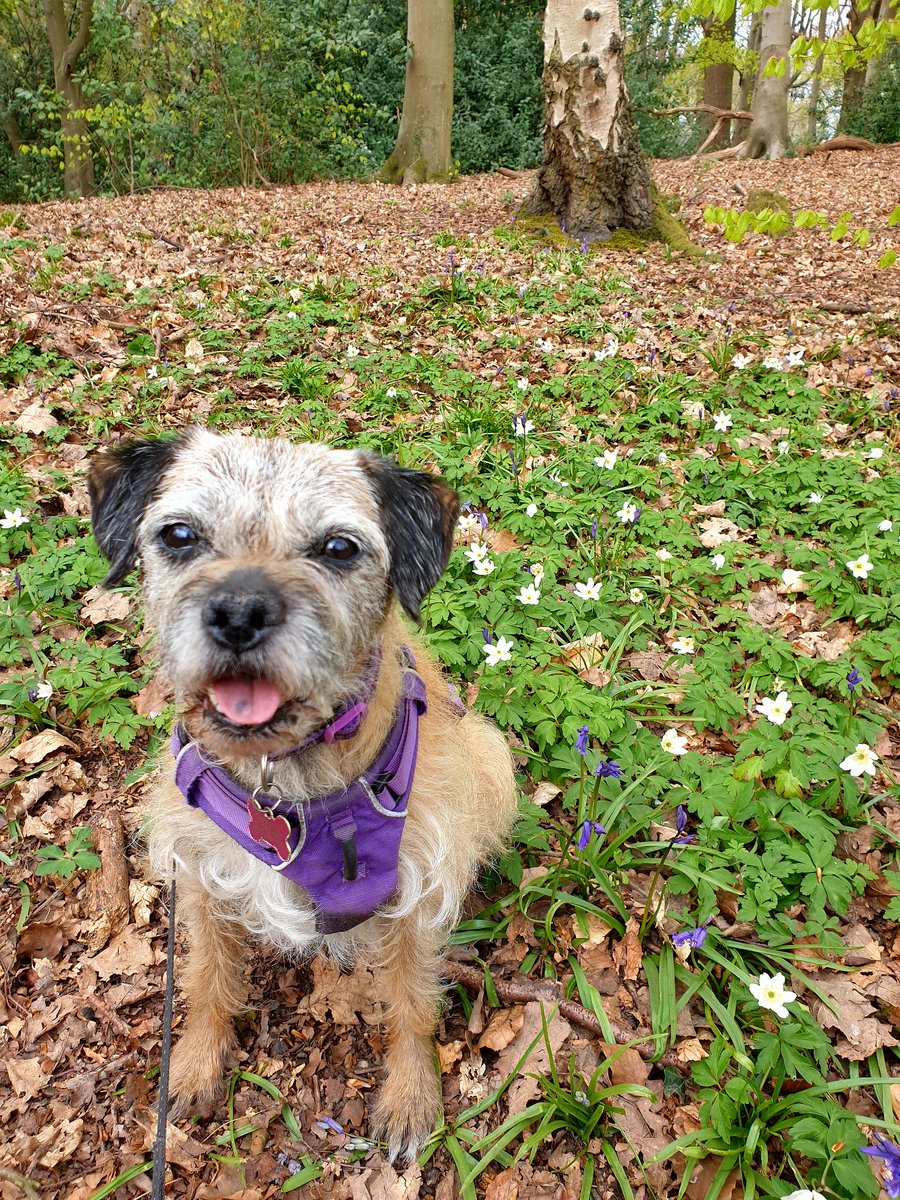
(269, 829)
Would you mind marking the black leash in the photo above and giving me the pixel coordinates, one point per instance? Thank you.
(159, 1146)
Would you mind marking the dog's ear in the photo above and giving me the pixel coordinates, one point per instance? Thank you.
(121, 481)
(418, 514)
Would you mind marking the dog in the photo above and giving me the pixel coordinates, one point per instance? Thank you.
(272, 574)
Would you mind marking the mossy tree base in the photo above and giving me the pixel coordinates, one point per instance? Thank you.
(664, 227)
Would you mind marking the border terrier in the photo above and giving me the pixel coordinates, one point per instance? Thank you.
(326, 787)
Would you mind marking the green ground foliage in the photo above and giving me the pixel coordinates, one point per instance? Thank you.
(641, 554)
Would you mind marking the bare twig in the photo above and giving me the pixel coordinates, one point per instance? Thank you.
(523, 991)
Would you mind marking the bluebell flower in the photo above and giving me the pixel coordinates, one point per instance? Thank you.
(853, 680)
(594, 529)
(682, 838)
(329, 1125)
(581, 742)
(588, 829)
(607, 769)
(486, 634)
(692, 938)
(891, 1154)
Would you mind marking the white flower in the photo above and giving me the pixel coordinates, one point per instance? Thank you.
(13, 519)
(43, 691)
(717, 560)
(469, 526)
(794, 358)
(529, 594)
(557, 479)
(636, 596)
(683, 645)
(391, 393)
(876, 452)
(740, 361)
(522, 385)
(537, 573)
(152, 371)
(803, 1194)
(784, 447)
(885, 526)
(772, 363)
(860, 567)
(484, 566)
(791, 578)
(816, 497)
(673, 743)
(771, 993)
(352, 351)
(777, 710)
(607, 460)
(627, 514)
(531, 510)
(722, 422)
(497, 652)
(861, 762)
(663, 554)
(291, 316)
(662, 458)
(545, 345)
(476, 553)
(589, 590)
(522, 425)
(609, 350)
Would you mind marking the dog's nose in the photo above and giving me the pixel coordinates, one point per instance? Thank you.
(240, 620)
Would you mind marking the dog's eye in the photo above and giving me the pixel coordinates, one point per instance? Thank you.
(339, 549)
(179, 537)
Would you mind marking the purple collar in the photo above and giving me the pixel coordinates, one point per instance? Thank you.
(343, 849)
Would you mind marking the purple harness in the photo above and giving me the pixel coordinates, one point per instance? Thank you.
(343, 849)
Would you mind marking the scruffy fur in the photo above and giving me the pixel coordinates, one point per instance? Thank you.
(266, 507)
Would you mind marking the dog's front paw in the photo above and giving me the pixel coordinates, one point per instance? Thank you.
(197, 1070)
(406, 1111)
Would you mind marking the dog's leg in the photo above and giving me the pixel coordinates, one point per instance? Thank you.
(212, 983)
(409, 1103)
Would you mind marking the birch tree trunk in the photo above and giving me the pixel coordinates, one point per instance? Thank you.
(422, 151)
(768, 136)
(78, 165)
(593, 176)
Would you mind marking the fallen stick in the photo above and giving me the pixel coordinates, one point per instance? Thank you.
(524, 991)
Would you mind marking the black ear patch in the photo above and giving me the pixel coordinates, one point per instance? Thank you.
(121, 482)
(418, 514)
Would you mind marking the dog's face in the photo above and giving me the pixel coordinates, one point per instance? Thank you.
(269, 570)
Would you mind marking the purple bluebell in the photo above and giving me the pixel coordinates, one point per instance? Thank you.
(581, 742)
(682, 838)
(594, 530)
(588, 829)
(891, 1154)
(692, 938)
(608, 769)
(329, 1125)
(637, 514)
(512, 459)
(584, 245)
(32, 694)
(488, 637)
(17, 581)
(854, 679)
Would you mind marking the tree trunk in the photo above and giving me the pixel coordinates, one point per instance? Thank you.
(593, 175)
(854, 76)
(78, 166)
(745, 94)
(718, 76)
(768, 136)
(815, 91)
(882, 10)
(422, 151)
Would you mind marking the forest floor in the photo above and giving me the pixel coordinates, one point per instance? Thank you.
(422, 322)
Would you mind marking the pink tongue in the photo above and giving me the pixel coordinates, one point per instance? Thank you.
(246, 701)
